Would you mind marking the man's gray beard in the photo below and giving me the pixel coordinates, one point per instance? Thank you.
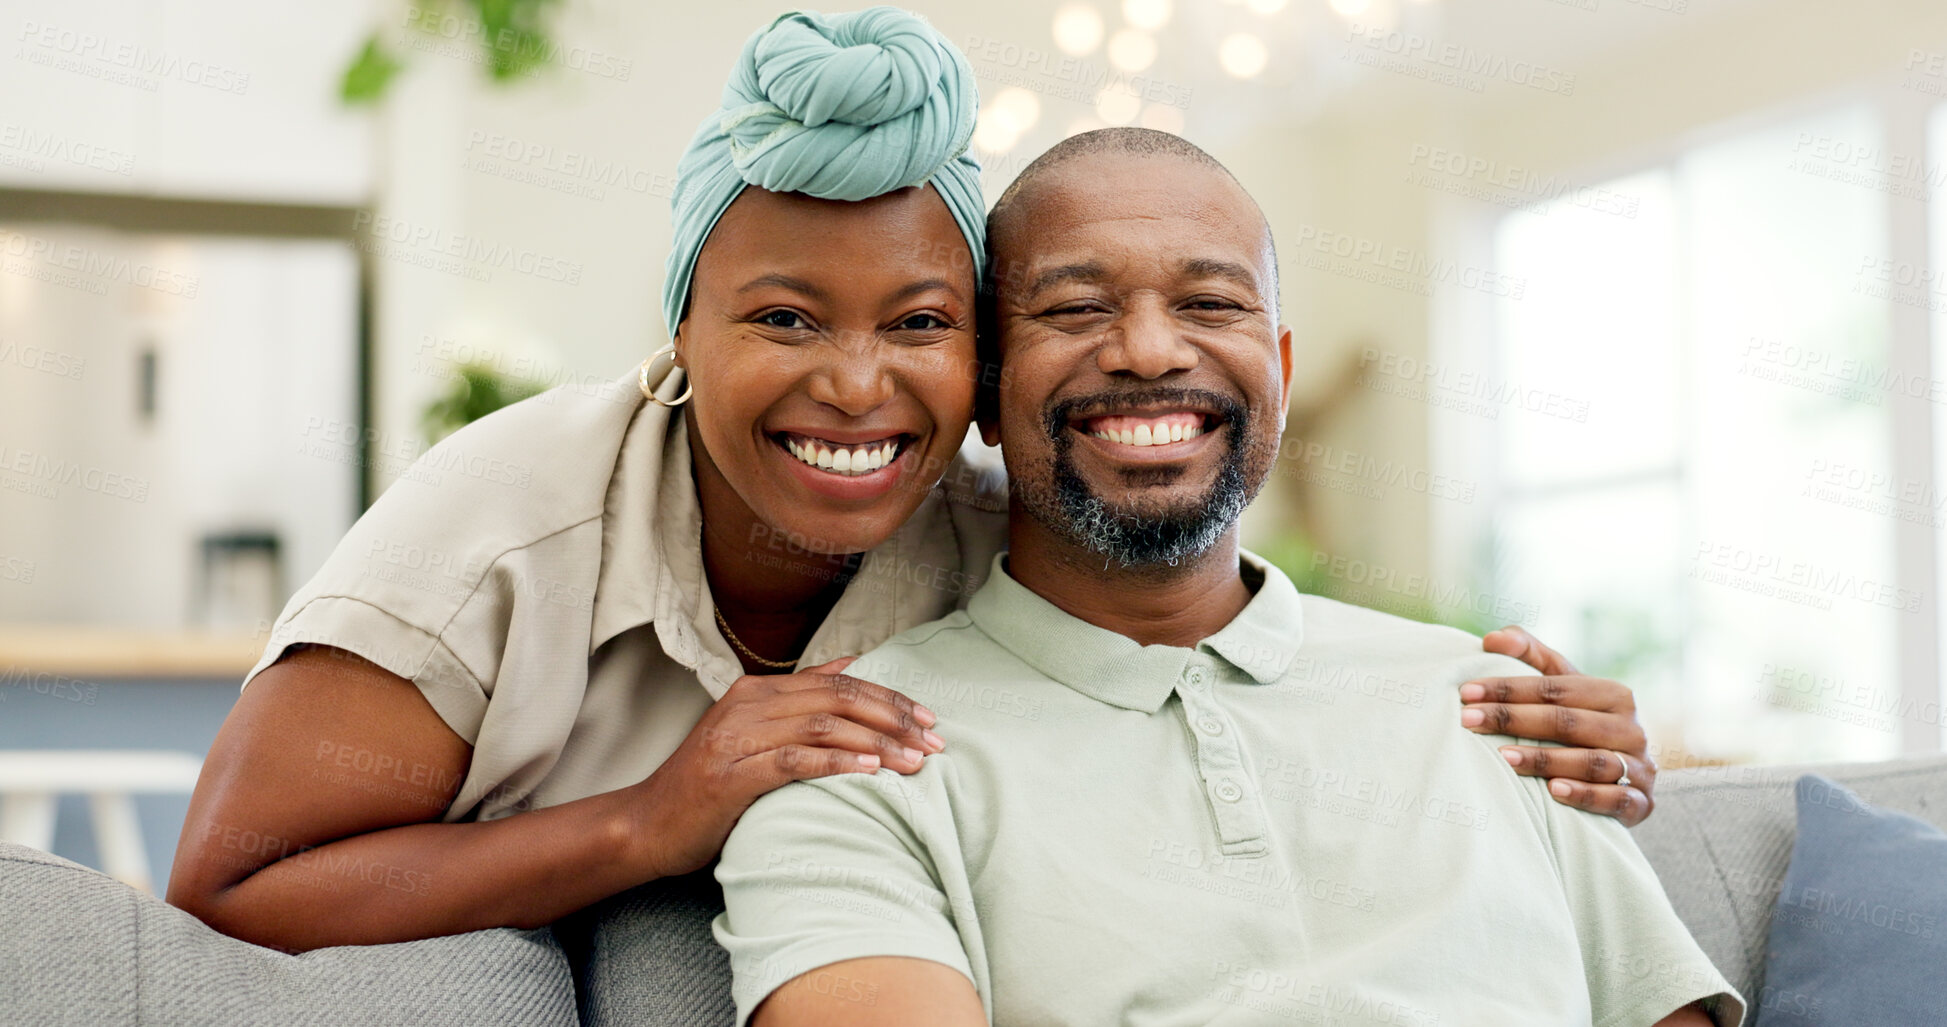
(1134, 537)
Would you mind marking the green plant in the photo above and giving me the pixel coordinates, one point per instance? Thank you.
(513, 35)
(476, 390)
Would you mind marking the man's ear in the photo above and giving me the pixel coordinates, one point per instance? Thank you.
(1284, 374)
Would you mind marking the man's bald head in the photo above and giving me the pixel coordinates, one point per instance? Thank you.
(1052, 170)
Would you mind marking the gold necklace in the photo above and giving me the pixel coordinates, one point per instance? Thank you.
(744, 649)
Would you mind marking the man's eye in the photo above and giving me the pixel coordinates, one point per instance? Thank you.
(1213, 304)
(1071, 310)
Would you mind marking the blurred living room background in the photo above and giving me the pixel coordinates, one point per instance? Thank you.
(1619, 319)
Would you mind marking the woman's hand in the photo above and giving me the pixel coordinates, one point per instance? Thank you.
(1595, 717)
(767, 731)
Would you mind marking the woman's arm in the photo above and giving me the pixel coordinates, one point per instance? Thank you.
(315, 822)
(1594, 717)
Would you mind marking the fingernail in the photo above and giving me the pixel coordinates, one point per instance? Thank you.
(1472, 693)
(913, 755)
(1472, 718)
(926, 717)
(933, 740)
(1513, 756)
(869, 762)
(1560, 788)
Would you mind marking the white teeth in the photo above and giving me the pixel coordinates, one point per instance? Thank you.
(1144, 435)
(842, 460)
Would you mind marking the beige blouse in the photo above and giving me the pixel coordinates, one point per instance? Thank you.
(538, 575)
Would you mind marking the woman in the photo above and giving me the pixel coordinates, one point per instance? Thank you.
(513, 692)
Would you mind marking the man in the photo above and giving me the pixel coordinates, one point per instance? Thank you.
(1178, 792)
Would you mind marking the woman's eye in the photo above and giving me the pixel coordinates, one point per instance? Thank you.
(923, 323)
(781, 319)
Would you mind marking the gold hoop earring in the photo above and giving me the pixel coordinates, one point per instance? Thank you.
(642, 379)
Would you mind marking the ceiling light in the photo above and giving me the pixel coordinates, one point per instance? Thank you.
(1242, 55)
(1078, 30)
(1132, 51)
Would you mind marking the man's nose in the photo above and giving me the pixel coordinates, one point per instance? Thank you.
(1146, 343)
(856, 381)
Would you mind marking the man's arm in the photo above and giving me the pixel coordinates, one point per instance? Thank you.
(1639, 959)
(881, 991)
(848, 902)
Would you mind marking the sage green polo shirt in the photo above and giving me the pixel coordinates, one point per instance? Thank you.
(1284, 824)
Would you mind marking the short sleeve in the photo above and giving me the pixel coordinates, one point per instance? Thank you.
(820, 872)
(361, 628)
(1640, 961)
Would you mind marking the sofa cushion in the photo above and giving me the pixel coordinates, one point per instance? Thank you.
(1721, 839)
(1861, 923)
(646, 958)
(78, 947)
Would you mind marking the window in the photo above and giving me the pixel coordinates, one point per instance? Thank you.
(1721, 506)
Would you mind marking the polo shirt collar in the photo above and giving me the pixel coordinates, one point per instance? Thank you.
(1262, 641)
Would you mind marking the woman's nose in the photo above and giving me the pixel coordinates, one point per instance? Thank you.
(857, 380)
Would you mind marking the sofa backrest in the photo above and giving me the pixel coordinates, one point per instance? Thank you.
(1721, 839)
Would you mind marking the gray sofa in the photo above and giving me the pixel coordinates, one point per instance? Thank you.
(79, 948)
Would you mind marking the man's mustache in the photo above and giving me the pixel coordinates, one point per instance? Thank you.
(1057, 416)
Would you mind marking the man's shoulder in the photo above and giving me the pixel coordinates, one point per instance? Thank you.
(932, 647)
(1361, 633)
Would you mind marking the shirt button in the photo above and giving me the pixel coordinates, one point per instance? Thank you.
(1228, 791)
(1210, 726)
(1196, 678)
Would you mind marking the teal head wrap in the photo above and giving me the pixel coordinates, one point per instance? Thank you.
(838, 106)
